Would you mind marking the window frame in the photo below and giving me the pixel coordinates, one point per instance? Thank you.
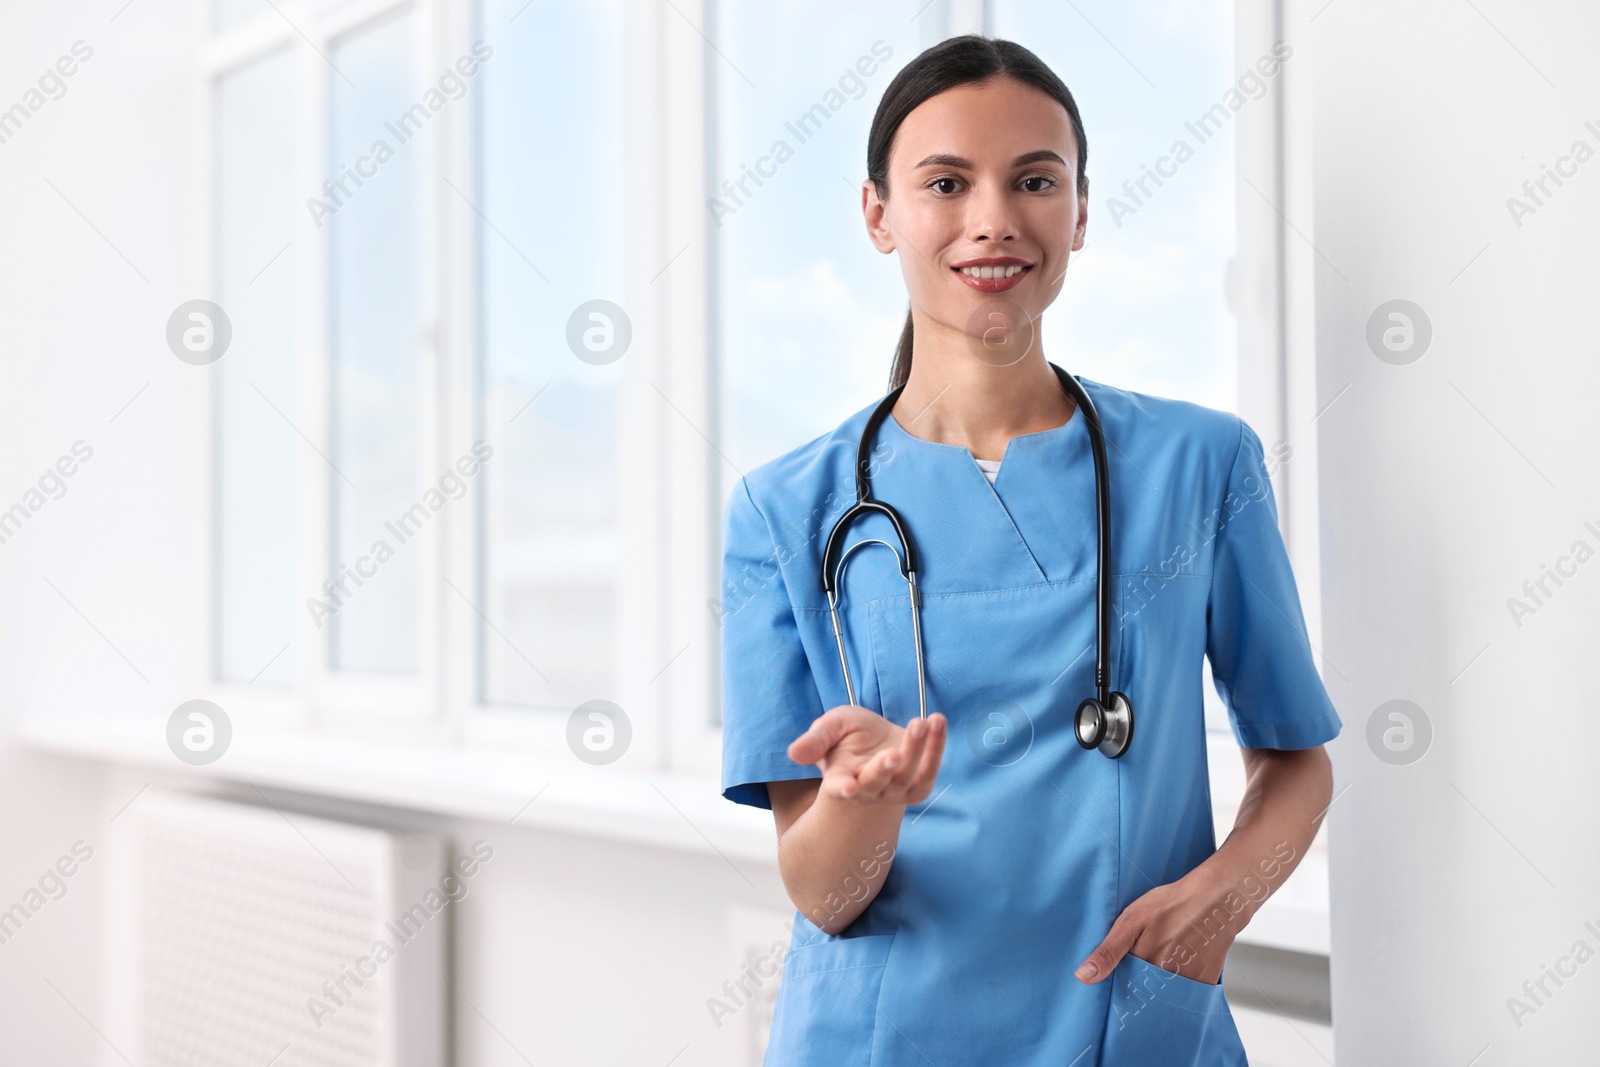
(442, 702)
(643, 469)
(320, 697)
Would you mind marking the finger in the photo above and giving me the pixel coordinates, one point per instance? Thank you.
(911, 749)
(1100, 963)
(932, 755)
(878, 772)
(826, 730)
(841, 784)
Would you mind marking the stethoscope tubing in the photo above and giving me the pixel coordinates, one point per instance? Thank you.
(916, 620)
(1102, 485)
(833, 577)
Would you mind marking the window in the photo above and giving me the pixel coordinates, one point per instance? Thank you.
(254, 384)
(422, 287)
(550, 242)
(472, 290)
(378, 424)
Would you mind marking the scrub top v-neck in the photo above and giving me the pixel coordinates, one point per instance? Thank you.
(1029, 846)
(986, 522)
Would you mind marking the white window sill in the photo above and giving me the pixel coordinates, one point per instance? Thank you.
(685, 812)
(676, 811)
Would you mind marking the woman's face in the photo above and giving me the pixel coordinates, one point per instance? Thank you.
(980, 172)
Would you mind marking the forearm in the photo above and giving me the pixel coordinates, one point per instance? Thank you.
(835, 857)
(1286, 794)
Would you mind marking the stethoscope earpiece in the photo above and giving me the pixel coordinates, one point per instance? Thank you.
(1109, 730)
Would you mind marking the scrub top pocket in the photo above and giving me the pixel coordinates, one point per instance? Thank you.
(1158, 1017)
(829, 1004)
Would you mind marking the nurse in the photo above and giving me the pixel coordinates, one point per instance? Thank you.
(975, 887)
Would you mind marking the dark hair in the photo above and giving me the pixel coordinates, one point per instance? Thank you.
(948, 64)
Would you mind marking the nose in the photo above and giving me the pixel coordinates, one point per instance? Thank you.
(991, 213)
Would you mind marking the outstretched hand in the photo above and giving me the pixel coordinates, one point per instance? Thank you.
(865, 757)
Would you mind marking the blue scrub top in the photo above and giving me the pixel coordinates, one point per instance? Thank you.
(1029, 847)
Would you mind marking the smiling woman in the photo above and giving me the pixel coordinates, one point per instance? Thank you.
(1049, 849)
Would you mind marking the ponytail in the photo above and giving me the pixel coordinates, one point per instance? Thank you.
(900, 370)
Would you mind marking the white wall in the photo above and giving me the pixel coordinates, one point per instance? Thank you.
(1444, 485)
(95, 585)
(50, 967)
(81, 336)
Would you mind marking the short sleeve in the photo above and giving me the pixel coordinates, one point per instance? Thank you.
(769, 697)
(1261, 658)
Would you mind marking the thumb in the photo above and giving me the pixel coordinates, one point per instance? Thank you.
(825, 732)
(1103, 960)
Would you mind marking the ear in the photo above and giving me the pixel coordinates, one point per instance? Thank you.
(1083, 222)
(875, 213)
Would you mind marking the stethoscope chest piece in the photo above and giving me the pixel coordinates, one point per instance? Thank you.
(1110, 729)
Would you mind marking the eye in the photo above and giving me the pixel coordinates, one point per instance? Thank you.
(938, 181)
(1040, 178)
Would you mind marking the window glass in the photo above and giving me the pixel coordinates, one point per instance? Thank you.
(257, 449)
(549, 210)
(377, 417)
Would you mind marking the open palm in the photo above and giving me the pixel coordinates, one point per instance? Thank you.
(866, 757)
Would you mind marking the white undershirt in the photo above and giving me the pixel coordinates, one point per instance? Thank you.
(989, 467)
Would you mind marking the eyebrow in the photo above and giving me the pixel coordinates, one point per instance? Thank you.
(944, 159)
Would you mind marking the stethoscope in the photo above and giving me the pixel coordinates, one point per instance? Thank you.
(1105, 720)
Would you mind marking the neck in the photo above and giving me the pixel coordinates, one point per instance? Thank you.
(958, 395)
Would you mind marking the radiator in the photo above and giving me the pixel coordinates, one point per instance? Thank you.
(254, 935)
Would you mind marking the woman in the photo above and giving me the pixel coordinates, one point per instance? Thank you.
(966, 883)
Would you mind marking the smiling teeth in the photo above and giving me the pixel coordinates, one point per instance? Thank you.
(992, 272)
